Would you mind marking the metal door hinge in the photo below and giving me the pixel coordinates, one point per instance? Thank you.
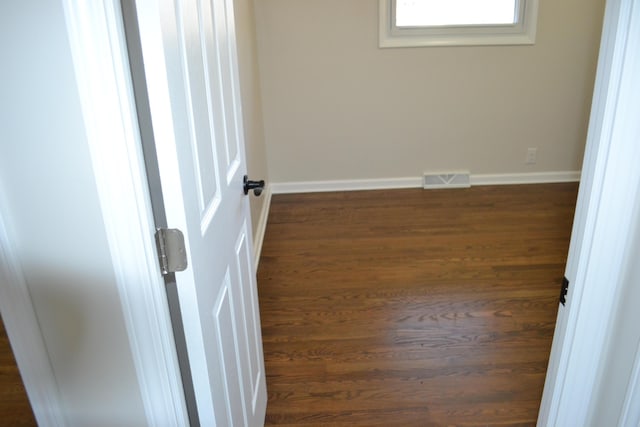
(171, 250)
(563, 290)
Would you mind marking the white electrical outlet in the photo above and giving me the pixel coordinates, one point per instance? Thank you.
(531, 156)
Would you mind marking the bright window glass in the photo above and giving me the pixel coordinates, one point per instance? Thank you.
(421, 23)
(438, 13)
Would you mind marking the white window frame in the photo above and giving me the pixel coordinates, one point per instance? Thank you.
(522, 32)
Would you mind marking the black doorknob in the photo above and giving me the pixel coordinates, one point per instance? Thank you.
(256, 186)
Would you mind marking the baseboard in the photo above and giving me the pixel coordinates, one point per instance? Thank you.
(345, 185)
(409, 182)
(258, 237)
(525, 178)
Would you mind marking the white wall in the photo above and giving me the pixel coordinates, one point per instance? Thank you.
(338, 107)
(49, 202)
(251, 102)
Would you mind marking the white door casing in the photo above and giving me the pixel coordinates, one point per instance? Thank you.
(604, 215)
(189, 54)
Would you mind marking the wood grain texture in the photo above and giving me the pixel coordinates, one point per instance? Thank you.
(14, 405)
(412, 307)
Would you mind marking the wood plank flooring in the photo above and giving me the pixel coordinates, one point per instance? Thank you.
(15, 410)
(412, 307)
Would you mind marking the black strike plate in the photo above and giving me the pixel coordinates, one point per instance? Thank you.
(564, 290)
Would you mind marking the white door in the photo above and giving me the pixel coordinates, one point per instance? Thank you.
(190, 62)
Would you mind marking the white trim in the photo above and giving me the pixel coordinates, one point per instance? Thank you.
(96, 38)
(344, 185)
(396, 183)
(261, 228)
(599, 242)
(558, 359)
(26, 339)
(525, 178)
(630, 416)
(523, 33)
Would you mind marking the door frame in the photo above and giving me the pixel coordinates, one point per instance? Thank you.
(600, 245)
(96, 35)
(97, 39)
(100, 58)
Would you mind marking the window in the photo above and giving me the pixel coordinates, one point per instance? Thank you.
(405, 23)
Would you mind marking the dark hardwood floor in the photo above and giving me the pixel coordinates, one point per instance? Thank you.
(15, 410)
(412, 307)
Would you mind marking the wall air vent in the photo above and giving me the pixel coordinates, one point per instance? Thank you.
(446, 180)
